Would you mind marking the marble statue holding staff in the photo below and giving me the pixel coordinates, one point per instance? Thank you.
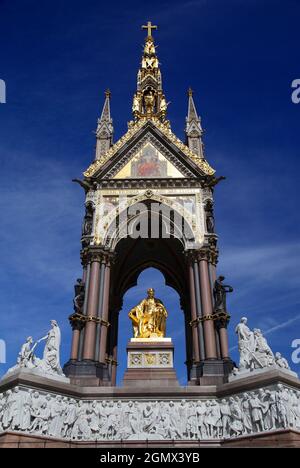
(51, 362)
(246, 344)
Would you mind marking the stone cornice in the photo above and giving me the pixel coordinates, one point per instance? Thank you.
(179, 182)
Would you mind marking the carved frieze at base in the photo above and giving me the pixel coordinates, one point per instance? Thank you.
(62, 412)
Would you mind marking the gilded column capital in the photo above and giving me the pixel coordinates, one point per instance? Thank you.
(203, 254)
(95, 254)
(209, 253)
(221, 319)
(77, 321)
(190, 256)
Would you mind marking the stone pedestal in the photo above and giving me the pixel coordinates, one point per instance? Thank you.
(214, 371)
(87, 373)
(150, 362)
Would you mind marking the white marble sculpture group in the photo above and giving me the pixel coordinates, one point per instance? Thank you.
(58, 416)
(255, 353)
(50, 363)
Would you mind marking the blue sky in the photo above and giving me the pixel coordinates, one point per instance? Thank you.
(57, 59)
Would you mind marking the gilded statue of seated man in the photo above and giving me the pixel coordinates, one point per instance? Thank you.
(149, 317)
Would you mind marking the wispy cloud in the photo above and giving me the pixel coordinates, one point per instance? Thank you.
(282, 325)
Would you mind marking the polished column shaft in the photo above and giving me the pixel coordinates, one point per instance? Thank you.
(207, 309)
(224, 342)
(196, 352)
(105, 310)
(92, 304)
(199, 310)
(75, 343)
(100, 306)
(87, 271)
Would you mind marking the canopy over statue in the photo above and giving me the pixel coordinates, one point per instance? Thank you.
(149, 317)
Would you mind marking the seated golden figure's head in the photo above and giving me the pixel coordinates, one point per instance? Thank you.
(150, 292)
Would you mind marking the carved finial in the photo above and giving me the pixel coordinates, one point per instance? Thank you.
(190, 92)
(149, 28)
(107, 93)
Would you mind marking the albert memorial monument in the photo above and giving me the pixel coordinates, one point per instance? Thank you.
(151, 183)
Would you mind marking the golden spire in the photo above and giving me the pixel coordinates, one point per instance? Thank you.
(149, 100)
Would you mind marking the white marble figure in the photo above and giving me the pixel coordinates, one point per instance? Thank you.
(200, 412)
(16, 406)
(236, 423)
(51, 361)
(283, 405)
(182, 417)
(245, 343)
(103, 419)
(281, 361)
(149, 418)
(174, 421)
(246, 416)
(192, 428)
(2, 399)
(81, 428)
(255, 353)
(263, 355)
(294, 410)
(94, 419)
(41, 420)
(256, 411)
(56, 413)
(7, 414)
(26, 357)
(26, 407)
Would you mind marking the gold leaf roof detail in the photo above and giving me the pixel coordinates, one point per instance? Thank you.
(133, 129)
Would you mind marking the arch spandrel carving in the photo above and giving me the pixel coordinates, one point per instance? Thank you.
(109, 228)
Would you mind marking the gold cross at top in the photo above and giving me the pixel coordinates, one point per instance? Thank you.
(149, 27)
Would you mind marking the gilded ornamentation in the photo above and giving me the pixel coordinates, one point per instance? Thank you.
(136, 359)
(164, 359)
(149, 103)
(149, 317)
(134, 128)
(150, 359)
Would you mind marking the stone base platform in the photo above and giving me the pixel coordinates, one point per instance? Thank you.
(150, 362)
(144, 416)
(281, 438)
(254, 372)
